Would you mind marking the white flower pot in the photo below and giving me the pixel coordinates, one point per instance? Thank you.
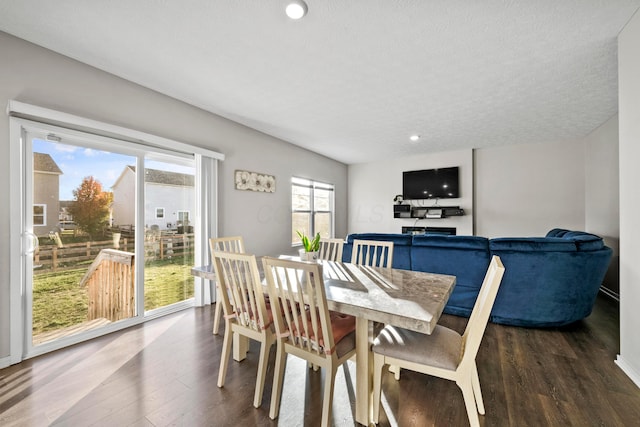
(308, 256)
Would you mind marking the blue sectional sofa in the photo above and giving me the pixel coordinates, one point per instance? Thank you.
(548, 281)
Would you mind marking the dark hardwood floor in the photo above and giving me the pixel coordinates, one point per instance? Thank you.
(164, 373)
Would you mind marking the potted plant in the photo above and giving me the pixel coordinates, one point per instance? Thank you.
(310, 247)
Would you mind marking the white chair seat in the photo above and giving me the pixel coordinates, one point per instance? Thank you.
(442, 349)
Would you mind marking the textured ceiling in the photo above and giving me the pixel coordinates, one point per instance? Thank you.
(355, 78)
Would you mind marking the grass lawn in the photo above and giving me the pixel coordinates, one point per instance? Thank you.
(59, 301)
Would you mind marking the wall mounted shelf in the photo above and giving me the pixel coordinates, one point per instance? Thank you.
(428, 212)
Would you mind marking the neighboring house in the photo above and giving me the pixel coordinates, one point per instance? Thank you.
(169, 198)
(46, 194)
(64, 216)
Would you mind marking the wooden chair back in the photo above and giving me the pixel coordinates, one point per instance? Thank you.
(479, 318)
(296, 292)
(331, 249)
(227, 244)
(244, 300)
(223, 244)
(372, 253)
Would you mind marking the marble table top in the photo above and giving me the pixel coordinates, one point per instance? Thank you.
(409, 299)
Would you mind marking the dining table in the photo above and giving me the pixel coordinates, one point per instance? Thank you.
(408, 299)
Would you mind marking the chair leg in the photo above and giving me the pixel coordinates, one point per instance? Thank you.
(278, 377)
(396, 371)
(477, 392)
(378, 364)
(226, 353)
(327, 402)
(469, 401)
(217, 315)
(262, 372)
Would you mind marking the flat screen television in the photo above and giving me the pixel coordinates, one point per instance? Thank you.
(439, 183)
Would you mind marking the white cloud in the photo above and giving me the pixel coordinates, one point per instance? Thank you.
(64, 148)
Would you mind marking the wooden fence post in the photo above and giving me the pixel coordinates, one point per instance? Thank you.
(54, 258)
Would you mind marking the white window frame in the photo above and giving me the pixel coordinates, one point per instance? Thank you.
(180, 214)
(313, 185)
(44, 214)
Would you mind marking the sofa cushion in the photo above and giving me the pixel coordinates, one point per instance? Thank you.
(466, 257)
(585, 241)
(397, 239)
(532, 244)
(447, 241)
(557, 232)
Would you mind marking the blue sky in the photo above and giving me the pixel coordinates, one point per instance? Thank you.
(77, 163)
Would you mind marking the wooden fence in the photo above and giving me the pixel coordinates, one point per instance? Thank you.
(110, 286)
(49, 258)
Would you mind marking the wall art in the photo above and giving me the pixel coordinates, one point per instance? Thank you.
(254, 181)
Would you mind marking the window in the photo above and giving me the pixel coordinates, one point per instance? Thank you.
(159, 213)
(183, 217)
(312, 206)
(39, 214)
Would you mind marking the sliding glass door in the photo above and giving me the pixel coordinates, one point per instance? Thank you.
(111, 234)
(79, 279)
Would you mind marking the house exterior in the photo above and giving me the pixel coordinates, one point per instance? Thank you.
(46, 194)
(169, 199)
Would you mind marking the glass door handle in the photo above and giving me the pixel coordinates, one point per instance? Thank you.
(31, 242)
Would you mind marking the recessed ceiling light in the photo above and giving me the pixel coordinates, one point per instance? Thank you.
(414, 138)
(296, 9)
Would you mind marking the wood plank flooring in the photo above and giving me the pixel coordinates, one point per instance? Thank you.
(164, 373)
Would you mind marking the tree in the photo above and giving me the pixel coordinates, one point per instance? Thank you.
(90, 207)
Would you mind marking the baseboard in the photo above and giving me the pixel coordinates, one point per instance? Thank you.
(5, 361)
(611, 294)
(629, 370)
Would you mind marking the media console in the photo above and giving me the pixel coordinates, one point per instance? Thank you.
(429, 212)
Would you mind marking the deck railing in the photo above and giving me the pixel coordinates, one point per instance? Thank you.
(110, 285)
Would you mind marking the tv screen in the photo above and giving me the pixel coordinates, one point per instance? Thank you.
(439, 183)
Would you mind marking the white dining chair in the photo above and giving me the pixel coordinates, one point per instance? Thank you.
(445, 353)
(233, 244)
(245, 311)
(372, 253)
(305, 327)
(331, 249)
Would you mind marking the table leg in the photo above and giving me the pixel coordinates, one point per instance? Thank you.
(240, 347)
(364, 368)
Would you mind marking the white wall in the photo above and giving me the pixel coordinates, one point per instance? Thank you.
(629, 116)
(123, 211)
(40, 77)
(372, 187)
(172, 198)
(526, 190)
(602, 196)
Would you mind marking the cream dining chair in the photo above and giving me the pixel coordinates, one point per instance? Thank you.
(445, 353)
(305, 327)
(331, 249)
(372, 253)
(233, 244)
(245, 311)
